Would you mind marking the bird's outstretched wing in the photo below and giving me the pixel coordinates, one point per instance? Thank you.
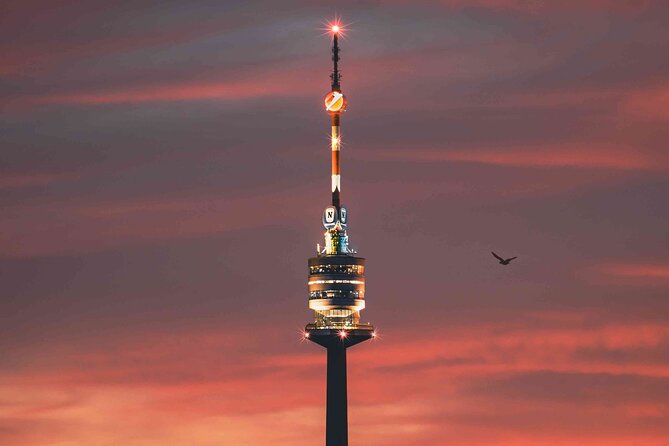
(508, 260)
(497, 257)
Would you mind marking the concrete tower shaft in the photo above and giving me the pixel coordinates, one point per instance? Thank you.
(336, 281)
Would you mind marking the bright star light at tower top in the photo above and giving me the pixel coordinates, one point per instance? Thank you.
(335, 27)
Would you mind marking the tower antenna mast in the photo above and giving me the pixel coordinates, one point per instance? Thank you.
(335, 105)
(335, 60)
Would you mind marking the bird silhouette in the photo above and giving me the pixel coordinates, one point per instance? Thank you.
(503, 261)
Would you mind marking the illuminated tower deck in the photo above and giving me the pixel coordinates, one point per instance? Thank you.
(336, 280)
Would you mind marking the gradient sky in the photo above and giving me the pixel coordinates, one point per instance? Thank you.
(164, 166)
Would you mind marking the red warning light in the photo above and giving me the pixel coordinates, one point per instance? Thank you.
(335, 102)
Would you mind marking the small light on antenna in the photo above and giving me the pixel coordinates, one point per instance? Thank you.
(335, 28)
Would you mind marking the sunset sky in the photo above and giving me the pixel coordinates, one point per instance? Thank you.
(164, 166)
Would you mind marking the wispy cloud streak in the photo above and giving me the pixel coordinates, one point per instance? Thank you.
(540, 156)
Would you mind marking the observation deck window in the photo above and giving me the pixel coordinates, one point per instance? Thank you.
(337, 269)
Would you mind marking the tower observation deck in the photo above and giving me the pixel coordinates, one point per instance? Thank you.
(336, 280)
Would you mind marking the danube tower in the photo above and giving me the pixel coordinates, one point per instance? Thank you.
(336, 280)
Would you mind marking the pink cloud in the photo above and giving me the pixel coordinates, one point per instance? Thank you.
(53, 228)
(58, 47)
(17, 181)
(287, 79)
(170, 93)
(647, 103)
(540, 156)
(535, 6)
(636, 271)
(403, 389)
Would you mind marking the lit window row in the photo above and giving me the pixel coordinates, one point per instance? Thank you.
(337, 318)
(336, 294)
(337, 312)
(353, 282)
(337, 269)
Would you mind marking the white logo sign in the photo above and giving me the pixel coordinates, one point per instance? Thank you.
(330, 217)
(336, 96)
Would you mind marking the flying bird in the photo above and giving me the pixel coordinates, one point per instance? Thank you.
(503, 261)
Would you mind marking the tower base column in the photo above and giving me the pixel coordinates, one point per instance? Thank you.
(337, 409)
(336, 341)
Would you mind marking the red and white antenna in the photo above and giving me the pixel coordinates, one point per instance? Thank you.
(335, 104)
